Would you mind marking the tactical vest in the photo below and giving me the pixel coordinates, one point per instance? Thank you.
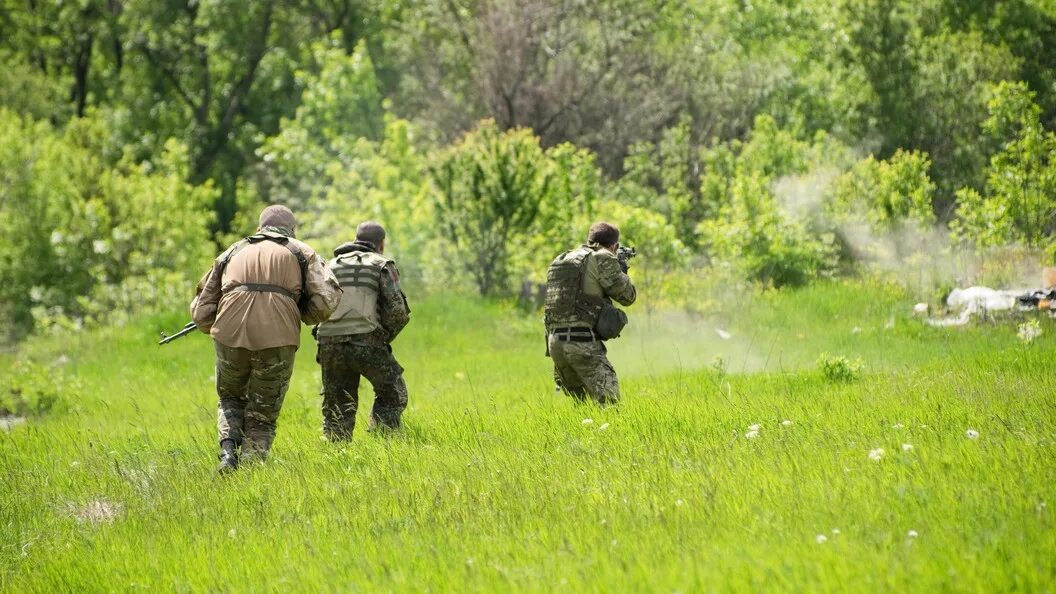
(360, 276)
(301, 299)
(566, 301)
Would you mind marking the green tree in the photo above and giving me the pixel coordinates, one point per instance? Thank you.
(1017, 205)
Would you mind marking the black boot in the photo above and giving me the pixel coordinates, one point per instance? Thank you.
(228, 457)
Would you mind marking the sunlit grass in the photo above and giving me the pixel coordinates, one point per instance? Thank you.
(497, 482)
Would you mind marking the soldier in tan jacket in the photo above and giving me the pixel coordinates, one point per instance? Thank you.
(252, 302)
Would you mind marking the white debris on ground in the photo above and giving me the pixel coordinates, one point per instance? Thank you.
(974, 301)
(9, 422)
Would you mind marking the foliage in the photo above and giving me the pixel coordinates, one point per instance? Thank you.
(1017, 206)
(82, 240)
(888, 193)
(750, 231)
(840, 369)
(495, 189)
(32, 389)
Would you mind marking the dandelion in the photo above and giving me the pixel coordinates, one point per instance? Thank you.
(231, 533)
(603, 427)
(786, 423)
(588, 421)
(821, 538)
(679, 503)
(907, 447)
(876, 455)
(971, 434)
(755, 427)
(912, 534)
(752, 434)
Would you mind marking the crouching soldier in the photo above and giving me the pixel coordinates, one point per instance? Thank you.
(355, 341)
(252, 302)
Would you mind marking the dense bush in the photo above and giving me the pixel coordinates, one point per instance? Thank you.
(83, 239)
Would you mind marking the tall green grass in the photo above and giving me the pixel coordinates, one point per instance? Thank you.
(499, 483)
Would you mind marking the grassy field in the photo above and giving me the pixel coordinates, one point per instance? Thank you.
(498, 483)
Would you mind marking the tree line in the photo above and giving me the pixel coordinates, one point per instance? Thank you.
(749, 137)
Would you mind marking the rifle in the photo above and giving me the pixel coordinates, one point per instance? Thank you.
(187, 329)
(624, 255)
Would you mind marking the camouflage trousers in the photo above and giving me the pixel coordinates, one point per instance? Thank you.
(343, 364)
(582, 369)
(251, 386)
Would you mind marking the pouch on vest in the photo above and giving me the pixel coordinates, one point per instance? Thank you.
(611, 321)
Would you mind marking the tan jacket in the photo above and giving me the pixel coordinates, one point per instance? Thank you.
(602, 278)
(258, 320)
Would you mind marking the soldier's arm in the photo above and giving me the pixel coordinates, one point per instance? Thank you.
(207, 298)
(324, 292)
(615, 282)
(392, 303)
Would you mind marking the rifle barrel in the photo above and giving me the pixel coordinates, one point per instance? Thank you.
(187, 329)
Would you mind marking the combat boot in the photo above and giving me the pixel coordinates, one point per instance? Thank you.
(228, 458)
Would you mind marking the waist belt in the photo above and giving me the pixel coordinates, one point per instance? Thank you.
(262, 288)
(578, 334)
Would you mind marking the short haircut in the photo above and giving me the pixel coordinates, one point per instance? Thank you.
(603, 233)
(277, 215)
(371, 231)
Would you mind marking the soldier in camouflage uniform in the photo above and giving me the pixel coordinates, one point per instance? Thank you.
(355, 341)
(252, 302)
(579, 283)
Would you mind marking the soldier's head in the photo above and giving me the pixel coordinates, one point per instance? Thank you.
(373, 233)
(605, 235)
(277, 215)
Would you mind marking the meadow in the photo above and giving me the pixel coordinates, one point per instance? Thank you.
(931, 471)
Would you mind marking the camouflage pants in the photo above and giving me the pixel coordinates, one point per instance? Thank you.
(582, 369)
(343, 364)
(251, 386)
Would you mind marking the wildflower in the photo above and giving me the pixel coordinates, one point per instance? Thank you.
(588, 421)
(971, 434)
(907, 447)
(835, 531)
(752, 434)
(1028, 332)
(876, 454)
(821, 538)
(603, 427)
(897, 426)
(679, 503)
(786, 423)
(231, 533)
(459, 375)
(754, 427)
(912, 534)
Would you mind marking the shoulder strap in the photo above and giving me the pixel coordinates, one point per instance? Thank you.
(302, 263)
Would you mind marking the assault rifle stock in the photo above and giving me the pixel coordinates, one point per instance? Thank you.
(187, 329)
